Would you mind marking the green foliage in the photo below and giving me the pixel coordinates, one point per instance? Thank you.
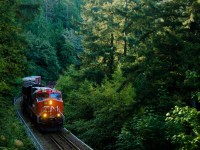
(73, 79)
(51, 47)
(157, 45)
(69, 47)
(12, 67)
(27, 47)
(43, 58)
(62, 13)
(96, 112)
(144, 131)
(12, 59)
(12, 134)
(183, 127)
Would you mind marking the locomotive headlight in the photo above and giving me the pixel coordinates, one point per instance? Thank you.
(50, 102)
(58, 115)
(44, 115)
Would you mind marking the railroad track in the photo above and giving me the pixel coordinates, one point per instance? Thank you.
(57, 143)
(63, 140)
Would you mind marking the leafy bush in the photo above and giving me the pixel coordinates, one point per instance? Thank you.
(12, 134)
(183, 127)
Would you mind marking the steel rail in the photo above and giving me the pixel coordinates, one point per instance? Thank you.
(86, 146)
(70, 143)
(34, 140)
(57, 143)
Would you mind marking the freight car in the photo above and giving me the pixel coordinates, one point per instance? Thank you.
(43, 105)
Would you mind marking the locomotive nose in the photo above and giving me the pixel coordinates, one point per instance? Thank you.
(52, 108)
(48, 102)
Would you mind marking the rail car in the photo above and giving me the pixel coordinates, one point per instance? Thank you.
(43, 105)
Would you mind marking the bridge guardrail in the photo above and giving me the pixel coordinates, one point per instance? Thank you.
(34, 140)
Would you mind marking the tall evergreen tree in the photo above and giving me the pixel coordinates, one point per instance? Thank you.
(165, 72)
(101, 35)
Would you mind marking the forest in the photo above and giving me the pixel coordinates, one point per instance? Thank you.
(128, 69)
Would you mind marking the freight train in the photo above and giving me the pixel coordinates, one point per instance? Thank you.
(43, 105)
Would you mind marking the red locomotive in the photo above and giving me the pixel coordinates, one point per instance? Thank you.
(43, 104)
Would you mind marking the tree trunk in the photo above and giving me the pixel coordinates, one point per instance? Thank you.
(111, 61)
(125, 34)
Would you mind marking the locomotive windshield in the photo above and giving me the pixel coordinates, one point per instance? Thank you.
(56, 96)
(42, 96)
